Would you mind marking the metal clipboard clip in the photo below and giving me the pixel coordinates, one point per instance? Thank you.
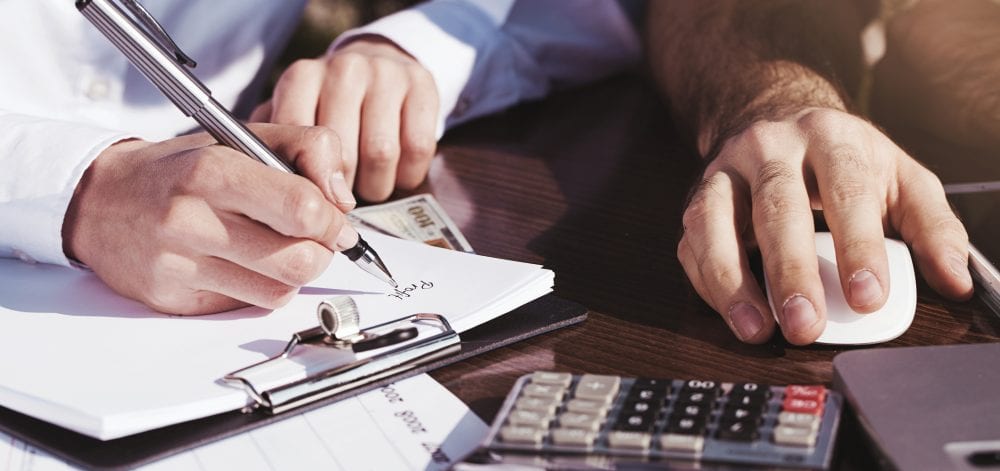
(338, 356)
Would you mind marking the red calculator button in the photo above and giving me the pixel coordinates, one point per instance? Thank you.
(800, 391)
(802, 406)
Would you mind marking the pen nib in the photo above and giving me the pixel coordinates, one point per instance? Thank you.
(368, 260)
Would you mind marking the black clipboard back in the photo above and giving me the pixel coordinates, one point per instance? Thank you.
(542, 315)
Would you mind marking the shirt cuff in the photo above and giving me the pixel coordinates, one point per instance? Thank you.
(444, 36)
(43, 163)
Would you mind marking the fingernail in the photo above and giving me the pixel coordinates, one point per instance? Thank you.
(799, 314)
(864, 288)
(347, 238)
(746, 319)
(959, 267)
(341, 191)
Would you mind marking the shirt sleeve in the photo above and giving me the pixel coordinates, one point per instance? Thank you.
(42, 161)
(486, 55)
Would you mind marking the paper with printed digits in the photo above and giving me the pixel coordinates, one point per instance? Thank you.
(82, 357)
(414, 424)
(418, 218)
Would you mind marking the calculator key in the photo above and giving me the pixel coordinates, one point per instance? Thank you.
(573, 437)
(751, 389)
(795, 436)
(578, 420)
(741, 413)
(804, 406)
(695, 385)
(691, 410)
(586, 406)
(649, 390)
(530, 418)
(640, 407)
(547, 405)
(521, 434)
(636, 422)
(696, 397)
(631, 440)
(678, 442)
(543, 390)
(687, 425)
(597, 387)
(814, 392)
(748, 400)
(794, 419)
(738, 430)
(551, 377)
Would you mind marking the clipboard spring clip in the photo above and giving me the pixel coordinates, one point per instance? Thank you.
(337, 356)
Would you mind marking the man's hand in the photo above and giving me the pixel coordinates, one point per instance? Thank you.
(379, 100)
(189, 227)
(760, 190)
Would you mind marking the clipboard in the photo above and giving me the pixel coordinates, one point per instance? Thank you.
(542, 315)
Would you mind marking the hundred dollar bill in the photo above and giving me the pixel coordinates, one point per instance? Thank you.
(418, 217)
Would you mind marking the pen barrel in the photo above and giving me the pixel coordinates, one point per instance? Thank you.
(231, 132)
(182, 88)
(175, 81)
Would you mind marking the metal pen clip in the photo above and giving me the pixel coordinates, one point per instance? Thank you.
(157, 33)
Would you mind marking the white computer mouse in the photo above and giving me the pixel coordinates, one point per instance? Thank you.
(846, 327)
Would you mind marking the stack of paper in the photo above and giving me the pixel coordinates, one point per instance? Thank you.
(363, 432)
(77, 355)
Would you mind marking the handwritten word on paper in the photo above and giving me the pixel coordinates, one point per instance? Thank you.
(403, 292)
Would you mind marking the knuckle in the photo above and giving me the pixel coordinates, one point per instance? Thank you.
(304, 206)
(348, 65)
(301, 265)
(175, 223)
(320, 138)
(420, 148)
(381, 152)
(847, 191)
(275, 295)
(203, 171)
(768, 193)
(296, 72)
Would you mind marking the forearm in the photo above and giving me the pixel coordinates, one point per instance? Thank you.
(725, 64)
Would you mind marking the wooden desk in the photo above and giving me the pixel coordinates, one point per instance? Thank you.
(591, 183)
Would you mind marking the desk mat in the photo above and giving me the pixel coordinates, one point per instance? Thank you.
(542, 315)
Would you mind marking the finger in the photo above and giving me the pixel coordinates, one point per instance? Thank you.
(418, 133)
(716, 260)
(251, 245)
(315, 152)
(287, 203)
(939, 240)
(296, 95)
(341, 96)
(262, 113)
(233, 281)
(783, 227)
(379, 142)
(852, 207)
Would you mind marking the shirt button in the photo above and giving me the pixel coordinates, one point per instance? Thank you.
(23, 256)
(98, 89)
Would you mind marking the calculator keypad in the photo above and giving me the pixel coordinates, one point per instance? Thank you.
(696, 419)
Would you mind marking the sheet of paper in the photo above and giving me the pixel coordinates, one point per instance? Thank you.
(91, 361)
(414, 424)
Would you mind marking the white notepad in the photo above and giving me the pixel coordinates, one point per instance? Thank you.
(77, 355)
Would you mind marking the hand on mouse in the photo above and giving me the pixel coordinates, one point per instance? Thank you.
(760, 191)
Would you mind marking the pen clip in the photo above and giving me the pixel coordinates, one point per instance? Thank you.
(156, 31)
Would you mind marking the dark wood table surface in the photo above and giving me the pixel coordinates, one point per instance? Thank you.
(591, 183)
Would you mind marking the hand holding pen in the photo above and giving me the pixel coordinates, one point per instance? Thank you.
(189, 227)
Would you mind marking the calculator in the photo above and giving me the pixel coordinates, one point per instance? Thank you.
(554, 420)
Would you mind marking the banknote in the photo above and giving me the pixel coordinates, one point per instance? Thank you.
(418, 217)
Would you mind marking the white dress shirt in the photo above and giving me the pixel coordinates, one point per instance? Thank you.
(66, 93)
